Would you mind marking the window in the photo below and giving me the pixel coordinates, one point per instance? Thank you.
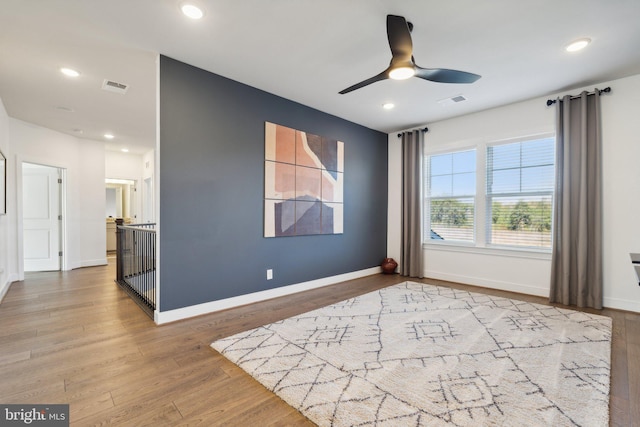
(519, 194)
(450, 201)
(497, 195)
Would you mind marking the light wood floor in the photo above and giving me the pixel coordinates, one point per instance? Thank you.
(76, 338)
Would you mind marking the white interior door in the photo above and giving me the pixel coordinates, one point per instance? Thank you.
(41, 217)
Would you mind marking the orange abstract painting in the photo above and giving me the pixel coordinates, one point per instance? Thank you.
(304, 182)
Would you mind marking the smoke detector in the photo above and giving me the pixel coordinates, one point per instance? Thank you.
(116, 87)
(452, 100)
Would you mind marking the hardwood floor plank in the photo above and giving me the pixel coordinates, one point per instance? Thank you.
(619, 407)
(87, 405)
(634, 385)
(75, 337)
(10, 338)
(8, 358)
(619, 366)
(231, 394)
(49, 391)
(180, 379)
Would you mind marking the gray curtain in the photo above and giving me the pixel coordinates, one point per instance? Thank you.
(411, 255)
(576, 267)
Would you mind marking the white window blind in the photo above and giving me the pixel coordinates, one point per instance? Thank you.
(450, 196)
(519, 193)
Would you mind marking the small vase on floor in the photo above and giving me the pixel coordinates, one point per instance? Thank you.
(389, 266)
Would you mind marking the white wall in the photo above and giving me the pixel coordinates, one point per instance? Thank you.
(621, 191)
(84, 166)
(148, 186)
(7, 262)
(91, 218)
(528, 273)
(120, 165)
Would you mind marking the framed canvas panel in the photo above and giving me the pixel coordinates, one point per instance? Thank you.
(303, 183)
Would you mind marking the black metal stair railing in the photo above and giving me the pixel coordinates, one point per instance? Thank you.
(136, 263)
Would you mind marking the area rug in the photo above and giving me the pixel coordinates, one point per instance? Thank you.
(420, 355)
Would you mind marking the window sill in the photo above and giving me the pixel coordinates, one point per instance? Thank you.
(528, 253)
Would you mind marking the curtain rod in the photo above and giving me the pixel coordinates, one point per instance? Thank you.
(423, 130)
(605, 90)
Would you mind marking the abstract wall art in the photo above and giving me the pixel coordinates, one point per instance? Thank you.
(303, 183)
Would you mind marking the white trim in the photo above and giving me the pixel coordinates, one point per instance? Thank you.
(93, 262)
(613, 303)
(86, 263)
(4, 289)
(495, 250)
(491, 284)
(621, 304)
(162, 317)
(155, 179)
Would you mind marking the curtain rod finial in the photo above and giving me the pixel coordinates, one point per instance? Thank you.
(415, 130)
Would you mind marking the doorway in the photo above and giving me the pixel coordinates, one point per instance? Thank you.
(42, 217)
(147, 209)
(121, 202)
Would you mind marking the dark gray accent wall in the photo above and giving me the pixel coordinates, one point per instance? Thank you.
(212, 191)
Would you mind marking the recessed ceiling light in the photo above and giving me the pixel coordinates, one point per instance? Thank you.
(109, 136)
(69, 72)
(388, 105)
(577, 45)
(124, 150)
(192, 11)
(402, 73)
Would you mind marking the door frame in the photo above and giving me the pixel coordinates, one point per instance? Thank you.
(19, 208)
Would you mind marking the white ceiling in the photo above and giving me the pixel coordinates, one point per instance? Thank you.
(303, 50)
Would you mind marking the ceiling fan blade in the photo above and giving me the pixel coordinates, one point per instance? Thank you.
(399, 37)
(442, 75)
(382, 76)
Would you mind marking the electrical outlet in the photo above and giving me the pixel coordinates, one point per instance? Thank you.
(269, 274)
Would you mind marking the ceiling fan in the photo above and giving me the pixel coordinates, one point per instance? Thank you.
(403, 65)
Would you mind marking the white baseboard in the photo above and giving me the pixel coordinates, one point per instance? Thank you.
(621, 304)
(492, 284)
(3, 290)
(5, 287)
(87, 263)
(213, 306)
(615, 303)
(93, 262)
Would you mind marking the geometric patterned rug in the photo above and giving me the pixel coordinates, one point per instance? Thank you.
(421, 355)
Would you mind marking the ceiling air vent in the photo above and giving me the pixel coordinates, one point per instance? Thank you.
(116, 87)
(452, 100)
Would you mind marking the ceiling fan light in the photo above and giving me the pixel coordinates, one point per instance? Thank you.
(402, 73)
